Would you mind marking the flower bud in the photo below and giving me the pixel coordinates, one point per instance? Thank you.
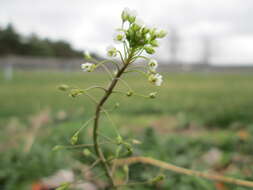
(129, 93)
(63, 87)
(111, 51)
(125, 14)
(74, 138)
(161, 34)
(154, 43)
(149, 50)
(132, 16)
(145, 30)
(76, 92)
(119, 140)
(119, 36)
(157, 179)
(87, 55)
(152, 95)
(86, 152)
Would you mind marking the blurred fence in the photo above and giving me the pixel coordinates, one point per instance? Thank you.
(10, 63)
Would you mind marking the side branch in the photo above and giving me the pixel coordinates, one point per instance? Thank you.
(171, 167)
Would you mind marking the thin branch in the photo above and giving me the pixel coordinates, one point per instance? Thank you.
(181, 170)
(121, 57)
(94, 87)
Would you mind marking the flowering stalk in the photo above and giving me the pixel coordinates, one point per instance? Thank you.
(108, 92)
(135, 38)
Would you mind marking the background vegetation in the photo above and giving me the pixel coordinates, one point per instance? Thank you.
(200, 121)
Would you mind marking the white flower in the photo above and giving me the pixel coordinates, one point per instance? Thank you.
(152, 64)
(111, 51)
(125, 14)
(89, 67)
(156, 79)
(139, 22)
(119, 37)
(128, 14)
(87, 55)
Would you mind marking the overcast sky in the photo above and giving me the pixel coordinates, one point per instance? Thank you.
(90, 24)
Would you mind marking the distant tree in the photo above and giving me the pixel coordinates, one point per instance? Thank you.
(13, 43)
(9, 41)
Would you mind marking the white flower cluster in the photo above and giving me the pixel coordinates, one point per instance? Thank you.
(154, 77)
(135, 36)
(89, 67)
(111, 51)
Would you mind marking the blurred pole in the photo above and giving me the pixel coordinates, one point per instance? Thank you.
(8, 71)
(207, 49)
(174, 45)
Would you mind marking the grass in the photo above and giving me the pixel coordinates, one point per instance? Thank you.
(192, 114)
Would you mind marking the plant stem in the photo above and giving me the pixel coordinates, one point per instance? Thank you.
(108, 92)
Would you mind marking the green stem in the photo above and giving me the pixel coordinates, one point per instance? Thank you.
(100, 104)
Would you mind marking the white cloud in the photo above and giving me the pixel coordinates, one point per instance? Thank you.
(90, 23)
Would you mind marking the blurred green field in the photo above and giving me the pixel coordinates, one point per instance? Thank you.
(194, 114)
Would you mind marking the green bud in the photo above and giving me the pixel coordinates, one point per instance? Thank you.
(119, 140)
(152, 95)
(153, 32)
(145, 30)
(124, 15)
(131, 19)
(76, 92)
(161, 34)
(63, 87)
(57, 147)
(74, 138)
(86, 152)
(154, 43)
(129, 93)
(149, 50)
(136, 27)
(157, 179)
(129, 149)
(129, 152)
